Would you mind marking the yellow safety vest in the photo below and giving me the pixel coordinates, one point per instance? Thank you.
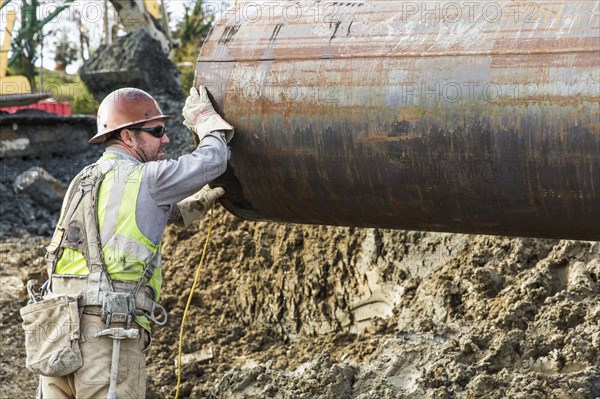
(125, 249)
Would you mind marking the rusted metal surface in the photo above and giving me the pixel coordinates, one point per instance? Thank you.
(474, 117)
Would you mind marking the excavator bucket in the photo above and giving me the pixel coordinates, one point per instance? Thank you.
(135, 60)
(104, 81)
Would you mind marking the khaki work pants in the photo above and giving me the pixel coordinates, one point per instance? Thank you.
(93, 378)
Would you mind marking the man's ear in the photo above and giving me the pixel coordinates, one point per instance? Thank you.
(127, 137)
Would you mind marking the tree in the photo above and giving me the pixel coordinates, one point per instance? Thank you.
(26, 42)
(84, 38)
(66, 52)
(193, 29)
(29, 37)
(191, 32)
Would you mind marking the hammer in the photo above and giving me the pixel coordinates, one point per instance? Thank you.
(117, 334)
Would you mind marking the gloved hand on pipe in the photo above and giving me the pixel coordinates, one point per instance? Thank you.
(195, 206)
(200, 116)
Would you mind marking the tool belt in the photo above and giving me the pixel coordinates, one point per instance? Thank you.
(126, 300)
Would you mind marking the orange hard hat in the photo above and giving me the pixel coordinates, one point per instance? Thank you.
(125, 107)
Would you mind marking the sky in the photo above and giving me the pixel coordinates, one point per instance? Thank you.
(93, 11)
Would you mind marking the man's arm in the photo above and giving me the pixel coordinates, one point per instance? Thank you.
(171, 181)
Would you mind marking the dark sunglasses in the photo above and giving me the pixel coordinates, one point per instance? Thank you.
(156, 131)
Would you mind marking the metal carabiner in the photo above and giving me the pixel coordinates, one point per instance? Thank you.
(33, 298)
(152, 316)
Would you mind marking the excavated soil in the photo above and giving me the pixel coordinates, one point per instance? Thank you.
(311, 312)
(291, 311)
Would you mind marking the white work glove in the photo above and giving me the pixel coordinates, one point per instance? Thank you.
(200, 116)
(195, 206)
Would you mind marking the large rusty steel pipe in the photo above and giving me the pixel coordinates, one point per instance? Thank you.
(472, 117)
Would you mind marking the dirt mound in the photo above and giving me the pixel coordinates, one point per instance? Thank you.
(293, 311)
(290, 311)
(21, 215)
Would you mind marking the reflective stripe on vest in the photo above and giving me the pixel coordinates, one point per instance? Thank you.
(125, 249)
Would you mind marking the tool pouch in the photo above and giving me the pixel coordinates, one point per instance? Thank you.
(52, 336)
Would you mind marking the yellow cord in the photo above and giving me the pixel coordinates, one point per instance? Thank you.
(189, 301)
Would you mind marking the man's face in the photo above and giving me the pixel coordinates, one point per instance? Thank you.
(147, 146)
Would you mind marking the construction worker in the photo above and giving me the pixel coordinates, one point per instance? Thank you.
(106, 250)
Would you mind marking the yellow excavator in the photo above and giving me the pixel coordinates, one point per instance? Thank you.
(14, 90)
(147, 15)
(32, 132)
(36, 133)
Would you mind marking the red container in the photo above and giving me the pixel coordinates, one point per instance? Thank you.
(62, 108)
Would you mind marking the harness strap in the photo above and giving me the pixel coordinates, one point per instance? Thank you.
(74, 196)
(108, 164)
(64, 284)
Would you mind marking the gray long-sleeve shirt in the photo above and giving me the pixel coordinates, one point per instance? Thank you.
(166, 182)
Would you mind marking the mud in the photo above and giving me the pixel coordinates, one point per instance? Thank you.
(290, 311)
(324, 312)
